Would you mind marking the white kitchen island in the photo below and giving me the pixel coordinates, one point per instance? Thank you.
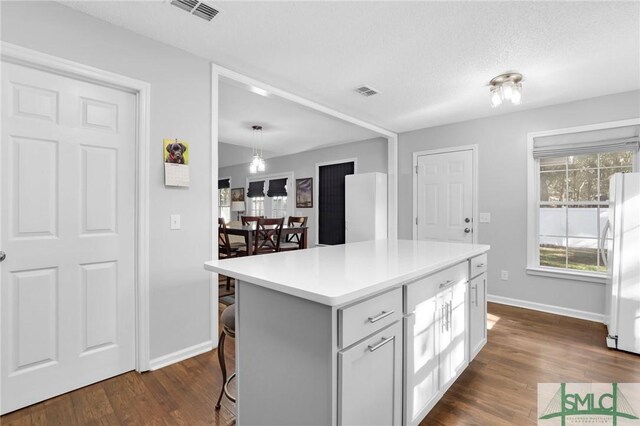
(369, 333)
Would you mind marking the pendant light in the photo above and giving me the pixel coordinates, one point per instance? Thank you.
(257, 161)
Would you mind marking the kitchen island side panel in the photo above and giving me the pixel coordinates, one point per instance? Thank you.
(285, 350)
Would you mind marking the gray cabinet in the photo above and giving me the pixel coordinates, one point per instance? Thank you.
(435, 338)
(370, 380)
(422, 360)
(452, 343)
(477, 304)
(477, 314)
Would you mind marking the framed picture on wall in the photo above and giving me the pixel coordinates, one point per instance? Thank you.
(304, 193)
(237, 194)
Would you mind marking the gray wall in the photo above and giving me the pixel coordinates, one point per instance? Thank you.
(180, 107)
(502, 142)
(371, 155)
(230, 155)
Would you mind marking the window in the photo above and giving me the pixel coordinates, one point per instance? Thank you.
(224, 199)
(277, 194)
(574, 198)
(272, 202)
(568, 196)
(279, 206)
(257, 206)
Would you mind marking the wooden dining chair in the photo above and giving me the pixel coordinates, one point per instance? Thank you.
(294, 241)
(226, 249)
(246, 220)
(268, 232)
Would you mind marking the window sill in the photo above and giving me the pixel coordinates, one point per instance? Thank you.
(568, 275)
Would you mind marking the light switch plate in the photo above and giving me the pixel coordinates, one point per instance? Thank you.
(175, 221)
(485, 217)
(504, 275)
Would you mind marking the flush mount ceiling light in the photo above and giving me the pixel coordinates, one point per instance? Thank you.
(257, 162)
(506, 87)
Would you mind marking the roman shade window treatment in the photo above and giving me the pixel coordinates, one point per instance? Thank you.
(277, 188)
(606, 140)
(224, 183)
(256, 189)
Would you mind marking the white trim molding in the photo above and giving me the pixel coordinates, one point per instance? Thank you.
(181, 355)
(316, 182)
(34, 59)
(215, 208)
(568, 275)
(474, 161)
(551, 309)
(533, 206)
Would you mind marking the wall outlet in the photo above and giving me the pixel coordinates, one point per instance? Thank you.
(175, 221)
(485, 217)
(504, 275)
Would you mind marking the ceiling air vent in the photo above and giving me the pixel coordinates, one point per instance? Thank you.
(197, 8)
(367, 91)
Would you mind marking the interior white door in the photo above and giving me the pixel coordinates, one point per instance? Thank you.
(67, 227)
(445, 196)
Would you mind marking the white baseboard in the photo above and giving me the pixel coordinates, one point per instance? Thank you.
(180, 355)
(558, 310)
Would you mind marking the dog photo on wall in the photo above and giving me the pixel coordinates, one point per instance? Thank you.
(176, 162)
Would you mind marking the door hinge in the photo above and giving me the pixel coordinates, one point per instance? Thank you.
(416, 220)
(416, 169)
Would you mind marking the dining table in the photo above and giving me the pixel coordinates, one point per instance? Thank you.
(249, 232)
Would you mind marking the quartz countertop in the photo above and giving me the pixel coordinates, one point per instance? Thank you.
(337, 275)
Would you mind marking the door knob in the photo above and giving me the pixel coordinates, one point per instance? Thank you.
(467, 230)
(3, 256)
(467, 220)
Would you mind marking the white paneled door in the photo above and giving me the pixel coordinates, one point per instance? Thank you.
(67, 194)
(445, 196)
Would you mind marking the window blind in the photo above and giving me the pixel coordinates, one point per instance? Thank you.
(277, 188)
(256, 189)
(605, 140)
(224, 183)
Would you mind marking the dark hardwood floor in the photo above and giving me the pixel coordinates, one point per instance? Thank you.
(499, 386)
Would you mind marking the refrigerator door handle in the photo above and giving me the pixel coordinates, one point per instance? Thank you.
(603, 240)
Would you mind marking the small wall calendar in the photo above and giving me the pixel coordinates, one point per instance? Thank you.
(176, 162)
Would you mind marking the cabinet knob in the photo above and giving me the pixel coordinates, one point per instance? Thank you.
(467, 230)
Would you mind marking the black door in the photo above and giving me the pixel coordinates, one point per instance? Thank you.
(331, 202)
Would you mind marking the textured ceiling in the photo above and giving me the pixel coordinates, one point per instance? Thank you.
(287, 127)
(431, 61)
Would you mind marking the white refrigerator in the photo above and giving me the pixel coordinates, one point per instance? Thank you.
(622, 259)
(365, 207)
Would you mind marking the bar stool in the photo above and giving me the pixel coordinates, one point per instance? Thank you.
(228, 320)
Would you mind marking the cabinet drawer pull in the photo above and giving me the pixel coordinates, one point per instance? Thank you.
(481, 265)
(384, 314)
(446, 283)
(383, 342)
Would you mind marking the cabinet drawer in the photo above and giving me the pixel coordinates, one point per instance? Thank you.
(361, 319)
(370, 380)
(425, 288)
(478, 265)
